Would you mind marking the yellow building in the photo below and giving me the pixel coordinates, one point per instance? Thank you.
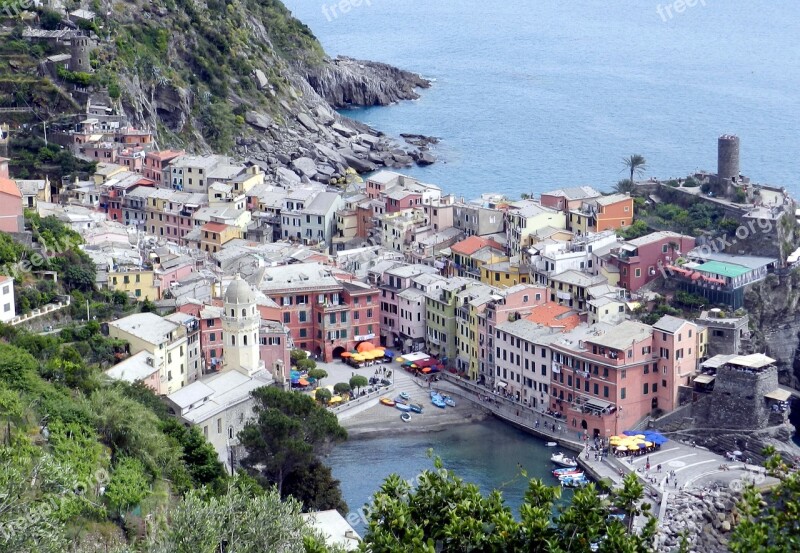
(136, 283)
(504, 274)
(526, 218)
(398, 228)
(214, 235)
(166, 342)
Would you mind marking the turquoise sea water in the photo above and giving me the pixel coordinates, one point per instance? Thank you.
(488, 453)
(536, 94)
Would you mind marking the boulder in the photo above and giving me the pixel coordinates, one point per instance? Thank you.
(360, 165)
(726, 526)
(344, 131)
(307, 122)
(305, 166)
(403, 160)
(424, 158)
(325, 170)
(359, 149)
(287, 175)
(283, 158)
(324, 115)
(368, 139)
(258, 120)
(327, 152)
(261, 79)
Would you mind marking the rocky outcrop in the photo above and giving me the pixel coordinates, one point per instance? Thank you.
(702, 518)
(346, 82)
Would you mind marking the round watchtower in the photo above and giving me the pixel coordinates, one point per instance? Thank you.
(728, 160)
(80, 48)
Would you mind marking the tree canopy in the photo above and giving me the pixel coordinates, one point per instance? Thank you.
(289, 433)
(445, 514)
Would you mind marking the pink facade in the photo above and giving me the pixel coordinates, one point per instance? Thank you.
(169, 275)
(132, 159)
(398, 201)
(274, 345)
(639, 260)
(156, 165)
(11, 216)
(606, 383)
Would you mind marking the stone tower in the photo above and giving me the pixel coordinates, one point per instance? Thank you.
(240, 324)
(727, 162)
(80, 48)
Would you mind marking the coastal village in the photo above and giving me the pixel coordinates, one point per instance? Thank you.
(534, 309)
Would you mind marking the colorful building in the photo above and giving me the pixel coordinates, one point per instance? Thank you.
(640, 260)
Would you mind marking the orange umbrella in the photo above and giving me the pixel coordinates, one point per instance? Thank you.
(303, 382)
(346, 354)
(365, 346)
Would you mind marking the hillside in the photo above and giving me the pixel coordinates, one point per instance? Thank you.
(241, 76)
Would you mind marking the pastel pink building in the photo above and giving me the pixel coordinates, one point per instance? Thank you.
(400, 199)
(11, 214)
(606, 379)
(156, 165)
(639, 260)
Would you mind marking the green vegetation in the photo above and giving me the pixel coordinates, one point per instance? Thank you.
(32, 159)
(769, 521)
(442, 513)
(637, 229)
(636, 164)
(289, 434)
(358, 381)
(694, 220)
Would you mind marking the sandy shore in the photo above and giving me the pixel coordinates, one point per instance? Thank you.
(383, 420)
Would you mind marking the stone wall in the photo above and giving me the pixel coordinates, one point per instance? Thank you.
(738, 398)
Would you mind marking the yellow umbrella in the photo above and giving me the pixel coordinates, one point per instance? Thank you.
(380, 352)
(336, 399)
(640, 436)
(358, 357)
(329, 388)
(622, 448)
(400, 360)
(648, 444)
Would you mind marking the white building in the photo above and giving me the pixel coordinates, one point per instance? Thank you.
(221, 404)
(7, 308)
(165, 340)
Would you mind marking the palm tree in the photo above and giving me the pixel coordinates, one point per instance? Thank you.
(635, 163)
(625, 186)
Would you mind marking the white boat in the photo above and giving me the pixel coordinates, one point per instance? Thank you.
(562, 460)
(551, 444)
(405, 417)
(572, 476)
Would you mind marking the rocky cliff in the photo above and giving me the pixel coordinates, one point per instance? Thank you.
(233, 76)
(345, 82)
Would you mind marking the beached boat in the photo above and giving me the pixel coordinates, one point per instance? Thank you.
(416, 408)
(438, 401)
(562, 460)
(402, 407)
(450, 402)
(405, 417)
(387, 401)
(405, 396)
(551, 444)
(399, 399)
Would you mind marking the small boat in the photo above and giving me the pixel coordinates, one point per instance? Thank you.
(434, 394)
(438, 401)
(566, 471)
(551, 444)
(405, 417)
(416, 408)
(572, 476)
(405, 396)
(387, 401)
(574, 482)
(450, 402)
(402, 407)
(399, 399)
(561, 459)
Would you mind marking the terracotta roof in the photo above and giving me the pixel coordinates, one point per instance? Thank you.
(165, 154)
(214, 227)
(472, 244)
(555, 315)
(8, 186)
